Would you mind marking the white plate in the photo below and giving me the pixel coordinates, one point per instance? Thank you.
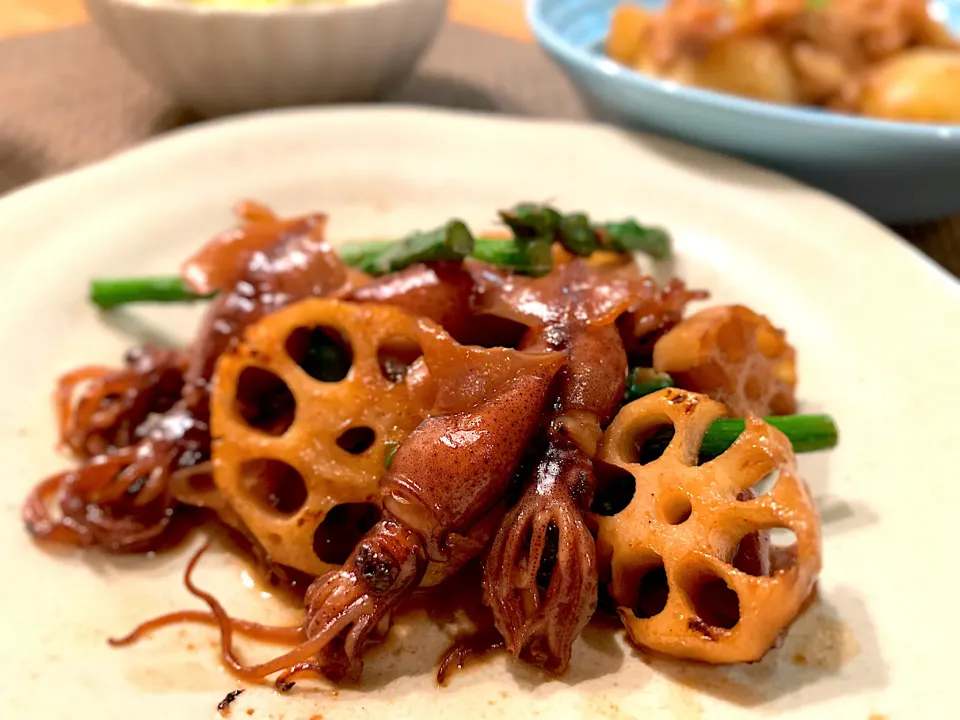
(875, 324)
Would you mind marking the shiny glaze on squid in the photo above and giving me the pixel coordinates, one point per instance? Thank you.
(440, 291)
(444, 292)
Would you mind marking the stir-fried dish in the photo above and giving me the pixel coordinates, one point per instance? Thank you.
(368, 423)
(887, 59)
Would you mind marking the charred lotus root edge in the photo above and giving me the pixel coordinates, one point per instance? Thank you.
(290, 448)
(735, 356)
(686, 522)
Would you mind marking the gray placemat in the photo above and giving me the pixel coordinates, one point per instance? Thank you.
(67, 99)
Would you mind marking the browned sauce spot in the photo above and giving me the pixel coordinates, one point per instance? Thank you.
(223, 707)
(699, 626)
(475, 645)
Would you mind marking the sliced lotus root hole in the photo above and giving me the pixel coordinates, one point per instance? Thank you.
(751, 554)
(264, 401)
(762, 487)
(714, 602)
(650, 443)
(274, 485)
(324, 353)
(653, 592)
(674, 507)
(645, 578)
(614, 490)
(395, 356)
(341, 530)
(357, 440)
(784, 549)
(705, 528)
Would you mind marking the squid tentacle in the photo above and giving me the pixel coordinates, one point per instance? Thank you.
(540, 577)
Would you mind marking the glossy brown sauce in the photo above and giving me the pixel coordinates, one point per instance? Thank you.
(445, 606)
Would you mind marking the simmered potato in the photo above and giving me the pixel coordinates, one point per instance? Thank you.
(628, 31)
(750, 66)
(753, 67)
(917, 85)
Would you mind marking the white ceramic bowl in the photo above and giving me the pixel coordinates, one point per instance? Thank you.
(221, 60)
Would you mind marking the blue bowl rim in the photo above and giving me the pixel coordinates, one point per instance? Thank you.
(723, 101)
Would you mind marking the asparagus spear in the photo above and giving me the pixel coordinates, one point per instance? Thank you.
(643, 381)
(630, 236)
(531, 258)
(363, 255)
(107, 293)
(578, 236)
(581, 237)
(529, 220)
(453, 241)
(807, 433)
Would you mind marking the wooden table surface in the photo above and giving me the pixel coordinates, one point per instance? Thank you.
(21, 17)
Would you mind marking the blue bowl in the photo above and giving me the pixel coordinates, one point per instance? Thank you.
(895, 171)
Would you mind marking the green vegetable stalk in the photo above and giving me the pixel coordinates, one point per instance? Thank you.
(453, 241)
(535, 229)
(579, 235)
(643, 381)
(108, 293)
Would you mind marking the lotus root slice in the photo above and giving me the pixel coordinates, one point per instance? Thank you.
(734, 355)
(305, 409)
(673, 552)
